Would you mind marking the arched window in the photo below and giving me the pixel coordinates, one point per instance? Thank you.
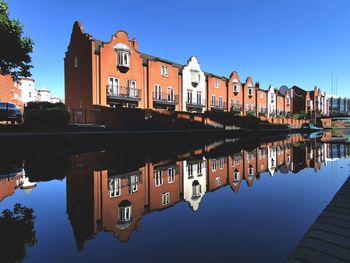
(125, 211)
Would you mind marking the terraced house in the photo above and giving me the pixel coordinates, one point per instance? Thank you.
(116, 74)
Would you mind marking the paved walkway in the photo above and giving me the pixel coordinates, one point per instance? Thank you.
(328, 239)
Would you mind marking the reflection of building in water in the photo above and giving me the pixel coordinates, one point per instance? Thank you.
(108, 199)
(194, 181)
(14, 178)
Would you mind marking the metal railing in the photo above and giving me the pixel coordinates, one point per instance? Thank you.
(262, 111)
(123, 93)
(236, 107)
(195, 103)
(165, 98)
(216, 105)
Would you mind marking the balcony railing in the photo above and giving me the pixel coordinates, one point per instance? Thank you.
(123, 94)
(191, 103)
(236, 107)
(215, 105)
(165, 99)
(262, 111)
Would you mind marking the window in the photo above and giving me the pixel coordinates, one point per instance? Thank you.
(236, 175)
(195, 78)
(261, 95)
(125, 213)
(199, 168)
(217, 84)
(166, 198)
(164, 71)
(75, 62)
(158, 177)
(199, 98)
(171, 175)
(114, 187)
(213, 165)
(251, 170)
(235, 88)
(123, 58)
(232, 103)
(113, 87)
(133, 183)
(157, 92)
(250, 91)
(218, 181)
(221, 163)
(132, 88)
(213, 100)
(190, 170)
(189, 96)
(171, 96)
(196, 189)
(288, 101)
(238, 102)
(221, 102)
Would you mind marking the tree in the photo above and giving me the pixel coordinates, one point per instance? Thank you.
(14, 48)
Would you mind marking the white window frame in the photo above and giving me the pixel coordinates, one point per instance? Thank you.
(170, 93)
(250, 91)
(166, 198)
(213, 100)
(134, 179)
(113, 88)
(199, 98)
(125, 213)
(123, 58)
(164, 70)
(171, 175)
(213, 165)
(158, 177)
(221, 163)
(221, 101)
(236, 176)
(115, 187)
(217, 83)
(157, 92)
(235, 87)
(132, 88)
(189, 96)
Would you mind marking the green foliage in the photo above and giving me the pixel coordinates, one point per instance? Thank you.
(46, 114)
(14, 48)
(17, 233)
(302, 115)
(250, 113)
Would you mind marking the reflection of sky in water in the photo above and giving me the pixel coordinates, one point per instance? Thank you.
(262, 223)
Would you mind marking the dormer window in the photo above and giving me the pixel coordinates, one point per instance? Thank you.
(235, 88)
(250, 91)
(195, 78)
(123, 57)
(164, 71)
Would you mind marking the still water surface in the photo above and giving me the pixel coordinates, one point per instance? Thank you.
(217, 202)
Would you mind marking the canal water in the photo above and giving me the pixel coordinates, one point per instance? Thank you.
(223, 201)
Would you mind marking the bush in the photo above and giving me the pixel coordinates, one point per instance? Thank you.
(46, 114)
(250, 113)
(300, 115)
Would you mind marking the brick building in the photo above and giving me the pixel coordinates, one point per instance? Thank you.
(10, 91)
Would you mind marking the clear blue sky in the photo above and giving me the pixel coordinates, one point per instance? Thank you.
(275, 41)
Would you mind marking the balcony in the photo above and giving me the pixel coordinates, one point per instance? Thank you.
(120, 95)
(236, 108)
(216, 106)
(165, 100)
(262, 111)
(196, 105)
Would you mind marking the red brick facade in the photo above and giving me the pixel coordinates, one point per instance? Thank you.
(10, 91)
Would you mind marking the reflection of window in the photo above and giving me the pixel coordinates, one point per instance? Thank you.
(196, 189)
(199, 168)
(75, 62)
(171, 174)
(251, 170)
(166, 198)
(133, 182)
(213, 165)
(115, 187)
(125, 211)
(190, 169)
(218, 181)
(221, 163)
(158, 177)
(236, 175)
